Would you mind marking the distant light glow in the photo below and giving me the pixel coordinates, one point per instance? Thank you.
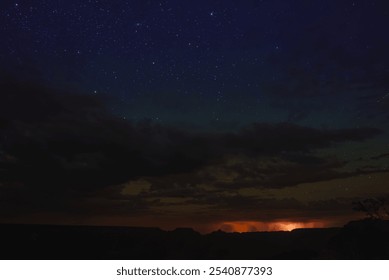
(253, 226)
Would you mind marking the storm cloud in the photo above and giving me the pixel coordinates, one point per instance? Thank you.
(61, 151)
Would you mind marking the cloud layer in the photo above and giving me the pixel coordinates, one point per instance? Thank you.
(64, 153)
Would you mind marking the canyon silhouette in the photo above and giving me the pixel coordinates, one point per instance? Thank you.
(363, 239)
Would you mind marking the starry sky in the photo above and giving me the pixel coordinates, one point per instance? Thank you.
(234, 115)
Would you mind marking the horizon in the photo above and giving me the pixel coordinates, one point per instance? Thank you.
(226, 227)
(234, 227)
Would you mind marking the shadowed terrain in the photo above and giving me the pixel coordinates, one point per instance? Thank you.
(366, 239)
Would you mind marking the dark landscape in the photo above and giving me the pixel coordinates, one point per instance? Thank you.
(255, 129)
(365, 239)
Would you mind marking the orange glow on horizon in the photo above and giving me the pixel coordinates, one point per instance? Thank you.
(252, 226)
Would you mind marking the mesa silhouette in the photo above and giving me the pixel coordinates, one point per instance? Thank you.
(365, 239)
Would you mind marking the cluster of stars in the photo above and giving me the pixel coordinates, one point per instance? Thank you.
(216, 53)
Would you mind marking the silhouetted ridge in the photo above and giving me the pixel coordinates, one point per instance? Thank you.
(365, 239)
(357, 240)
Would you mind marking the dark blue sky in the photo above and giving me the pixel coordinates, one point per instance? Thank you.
(218, 63)
(231, 103)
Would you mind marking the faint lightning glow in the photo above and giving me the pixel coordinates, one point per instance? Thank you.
(253, 226)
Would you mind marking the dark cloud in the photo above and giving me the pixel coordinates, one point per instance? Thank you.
(59, 150)
(375, 105)
(263, 138)
(380, 156)
(280, 174)
(234, 207)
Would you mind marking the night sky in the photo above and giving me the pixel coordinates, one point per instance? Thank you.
(218, 114)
